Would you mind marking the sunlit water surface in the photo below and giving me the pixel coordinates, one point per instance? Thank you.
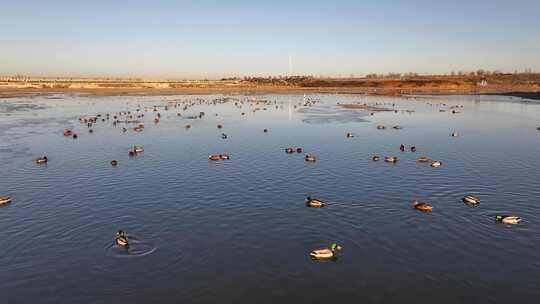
(238, 231)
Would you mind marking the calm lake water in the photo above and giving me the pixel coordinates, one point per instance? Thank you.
(238, 231)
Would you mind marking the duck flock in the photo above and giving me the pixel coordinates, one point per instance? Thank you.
(132, 121)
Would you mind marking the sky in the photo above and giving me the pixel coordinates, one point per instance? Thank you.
(214, 39)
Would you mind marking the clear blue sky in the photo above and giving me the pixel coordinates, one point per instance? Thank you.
(187, 39)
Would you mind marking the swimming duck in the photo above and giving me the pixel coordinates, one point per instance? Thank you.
(381, 127)
(423, 159)
(114, 163)
(454, 134)
(68, 132)
(375, 158)
(289, 150)
(436, 164)
(224, 156)
(121, 239)
(41, 160)
(422, 206)
(506, 219)
(298, 150)
(219, 126)
(311, 158)
(5, 200)
(214, 157)
(413, 149)
(223, 136)
(188, 126)
(325, 253)
(265, 130)
(397, 127)
(313, 202)
(471, 200)
(390, 159)
(402, 148)
(349, 135)
(138, 149)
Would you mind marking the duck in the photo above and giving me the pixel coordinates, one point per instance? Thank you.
(413, 149)
(310, 158)
(68, 132)
(138, 149)
(454, 134)
(313, 202)
(223, 136)
(289, 150)
(214, 157)
(42, 160)
(471, 200)
(390, 159)
(188, 126)
(375, 158)
(121, 239)
(75, 136)
(325, 253)
(422, 206)
(349, 135)
(224, 156)
(298, 150)
(402, 148)
(265, 130)
(219, 126)
(436, 164)
(5, 200)
(114, 163)
(381, 127)
(423, 159)
(397, 127)
(507, 219)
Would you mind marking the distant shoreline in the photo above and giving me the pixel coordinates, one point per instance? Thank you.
(515, 85)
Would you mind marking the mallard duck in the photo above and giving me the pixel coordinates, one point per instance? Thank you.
(313, 202)
(390, 159)
(423, 159)
(219, 126)
(299, 150)
(310, 158)
(41, 160)
(5, 200)
(214, 157)
(436, 164)
(471, 200)
(349, 135)
(375, 158)
(402, 148)
(68, 132)
(188, 126)
(289, 150)
(121, 239)
(422, 206)
(413, 149)
(114, 163)
(325, 253)
(381, 127)
(506, 219)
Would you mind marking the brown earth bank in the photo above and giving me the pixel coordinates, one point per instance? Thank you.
(519, 85)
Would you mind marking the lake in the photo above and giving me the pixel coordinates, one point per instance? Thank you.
(238, 230)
